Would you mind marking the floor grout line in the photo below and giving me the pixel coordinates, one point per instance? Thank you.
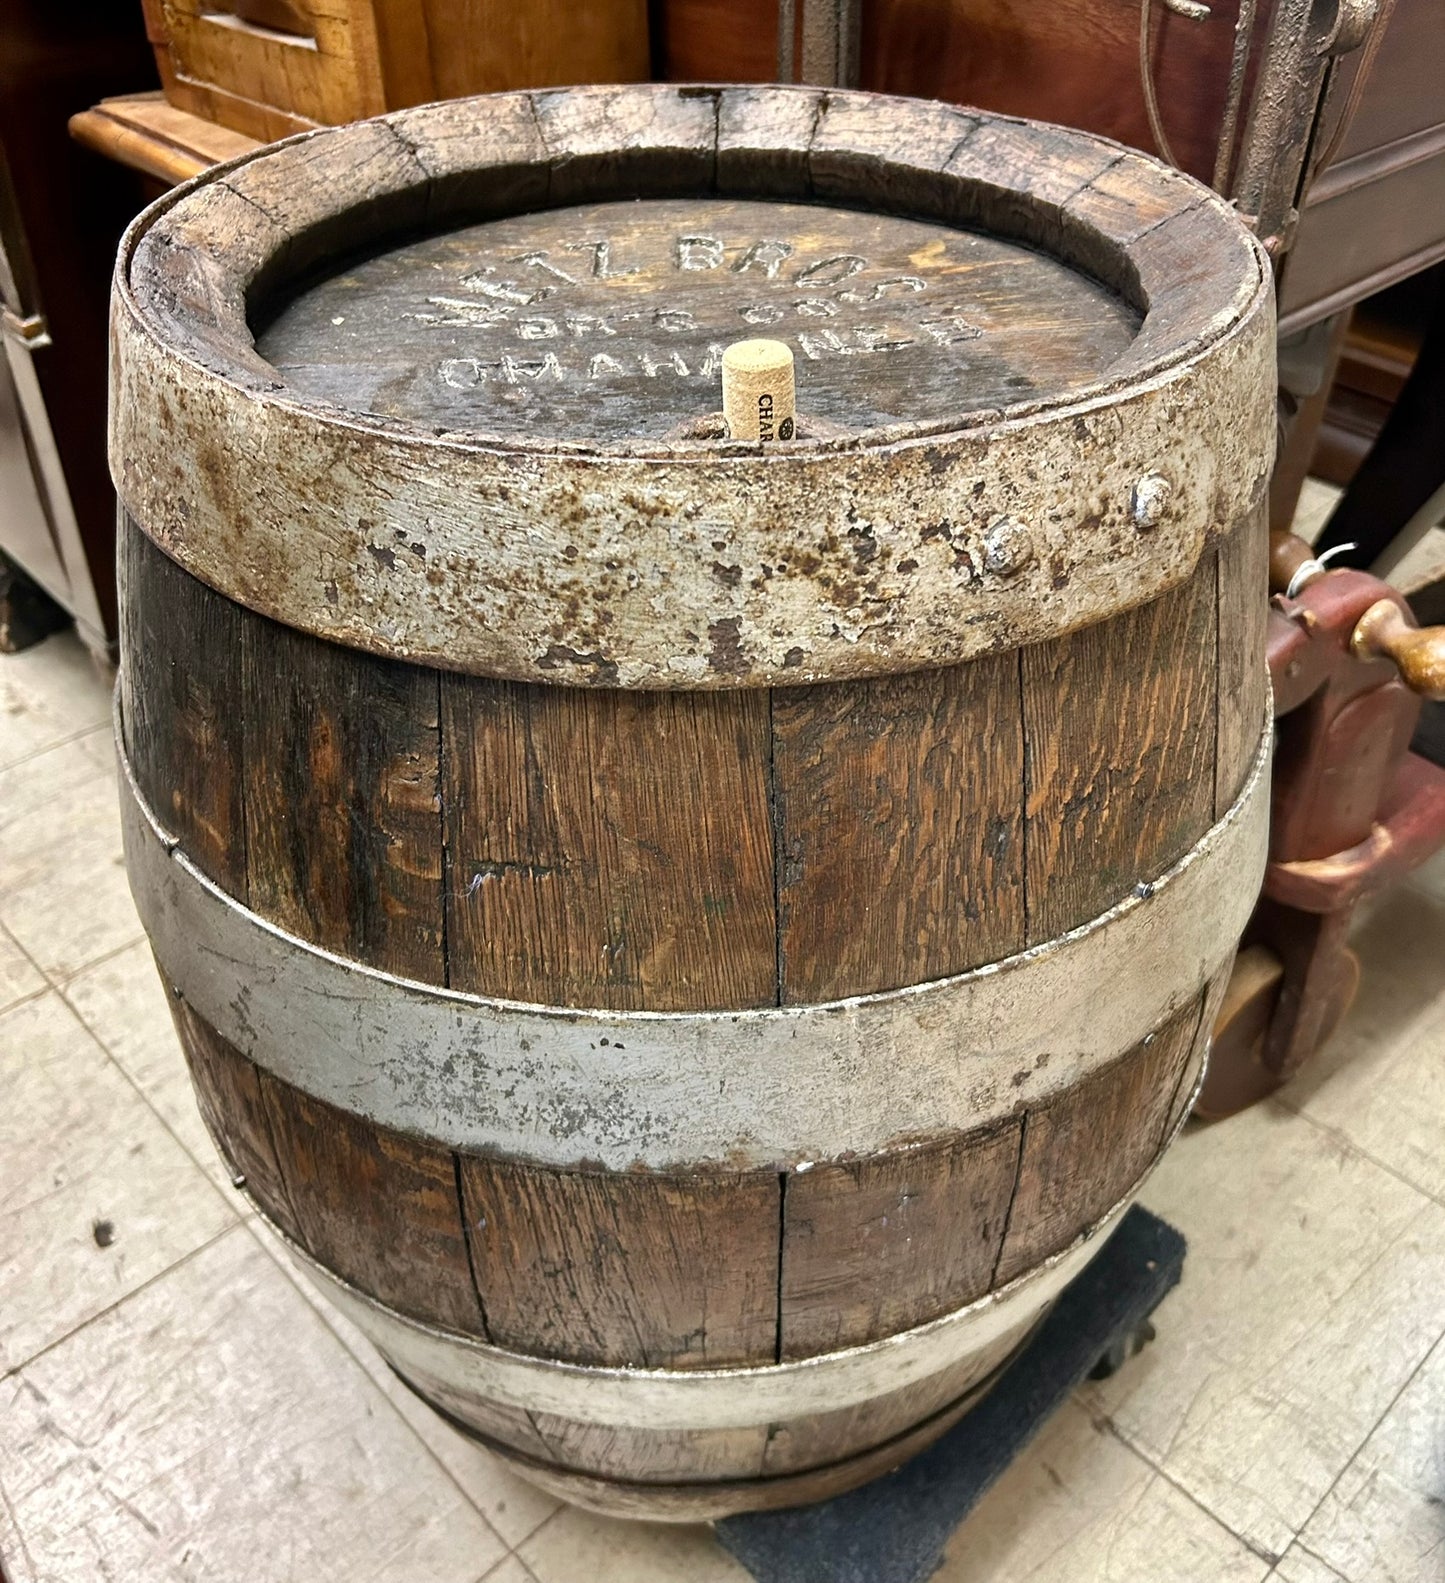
(1335, 1135)
(60, 742)
(24, 1000)
(551, 1517)
(63, 981)
(1104, 1422)
(94, 1034)
(1354, 1455)
(298, 1281)
(28, 1362)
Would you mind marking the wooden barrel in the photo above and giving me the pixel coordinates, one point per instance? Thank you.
(693, 943)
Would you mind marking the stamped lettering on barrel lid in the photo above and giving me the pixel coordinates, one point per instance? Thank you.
(609, 320)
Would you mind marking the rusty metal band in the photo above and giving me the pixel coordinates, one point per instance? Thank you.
(690, 1400)
(777, 1087)
(595, 565)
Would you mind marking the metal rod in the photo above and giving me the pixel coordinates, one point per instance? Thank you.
(1146, 80)
(787, 30)
(1234, 98)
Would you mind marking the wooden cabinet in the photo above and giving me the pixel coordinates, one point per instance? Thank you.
(1377, 214)
(61, 214)
(272, 67)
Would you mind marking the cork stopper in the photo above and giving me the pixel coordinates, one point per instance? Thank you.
(757, 381)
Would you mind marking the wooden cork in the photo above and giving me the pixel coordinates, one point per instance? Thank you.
(757, 381)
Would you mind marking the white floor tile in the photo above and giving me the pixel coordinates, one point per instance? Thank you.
(1312, 1290)
(576, 1547)
(123, 1002)
(1080, 1504)
(511, 1570)
(1430, 879)
(1317, 500)
(211, 1427)
(48, 693)
(1384, 1522)
(19, 976)
(1297, 1565)
(63, 890)
(512, 1506)
(96, 1197)
(1381, 1080)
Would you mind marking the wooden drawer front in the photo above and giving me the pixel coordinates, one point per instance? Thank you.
(222, 61)
(1368, 223)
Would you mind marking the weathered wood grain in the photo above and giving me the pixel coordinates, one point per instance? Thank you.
(179, 685)
(511, 1428)
(626, 1269)
(341, 786)
(1120, 723)
(608, 320)
(271, 69)
(610, 848)
(763, 138)
(229, 1096)
(881, 1244)
(1243, 560)
(1082, 1153)
(605, 142)
(1048, 60)
(655, 1456)
(803, 1443)
(380, 1209)
(899, 813)
(856, 151)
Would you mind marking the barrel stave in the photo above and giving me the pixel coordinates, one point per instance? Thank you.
(1085, 1151)
(899, 833)
(608, 849)
(1243, 683)
(180, 689)
(884, 1242)
(638, 1269)
(343, 834)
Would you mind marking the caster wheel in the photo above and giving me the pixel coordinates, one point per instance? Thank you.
(1237, 1076)
(1124, 1348)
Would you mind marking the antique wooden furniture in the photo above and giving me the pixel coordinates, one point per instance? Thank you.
(636, 902)
(61, 214)
(272, 67)
(1060, 60)
(1354, 810)
(149, 134)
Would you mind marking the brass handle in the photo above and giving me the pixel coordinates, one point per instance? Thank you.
(31, 330)
(1386, 631)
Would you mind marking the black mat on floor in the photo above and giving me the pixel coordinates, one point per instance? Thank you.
(894, 1530)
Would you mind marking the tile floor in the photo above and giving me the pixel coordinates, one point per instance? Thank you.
(175, 1403)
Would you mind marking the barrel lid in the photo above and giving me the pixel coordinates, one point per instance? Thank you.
(440, 385)
(607, 322)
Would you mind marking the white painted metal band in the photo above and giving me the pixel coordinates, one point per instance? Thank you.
(776, 1087)
(689, 1400)
(591, 565)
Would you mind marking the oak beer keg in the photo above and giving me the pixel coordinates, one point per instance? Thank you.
(693, 943)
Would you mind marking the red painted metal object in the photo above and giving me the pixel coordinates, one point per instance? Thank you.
(1353, 810)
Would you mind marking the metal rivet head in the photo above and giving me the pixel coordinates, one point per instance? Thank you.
(1151, 496)
(1007, 548)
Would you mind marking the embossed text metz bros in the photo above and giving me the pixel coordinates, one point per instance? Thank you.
(635, 901)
